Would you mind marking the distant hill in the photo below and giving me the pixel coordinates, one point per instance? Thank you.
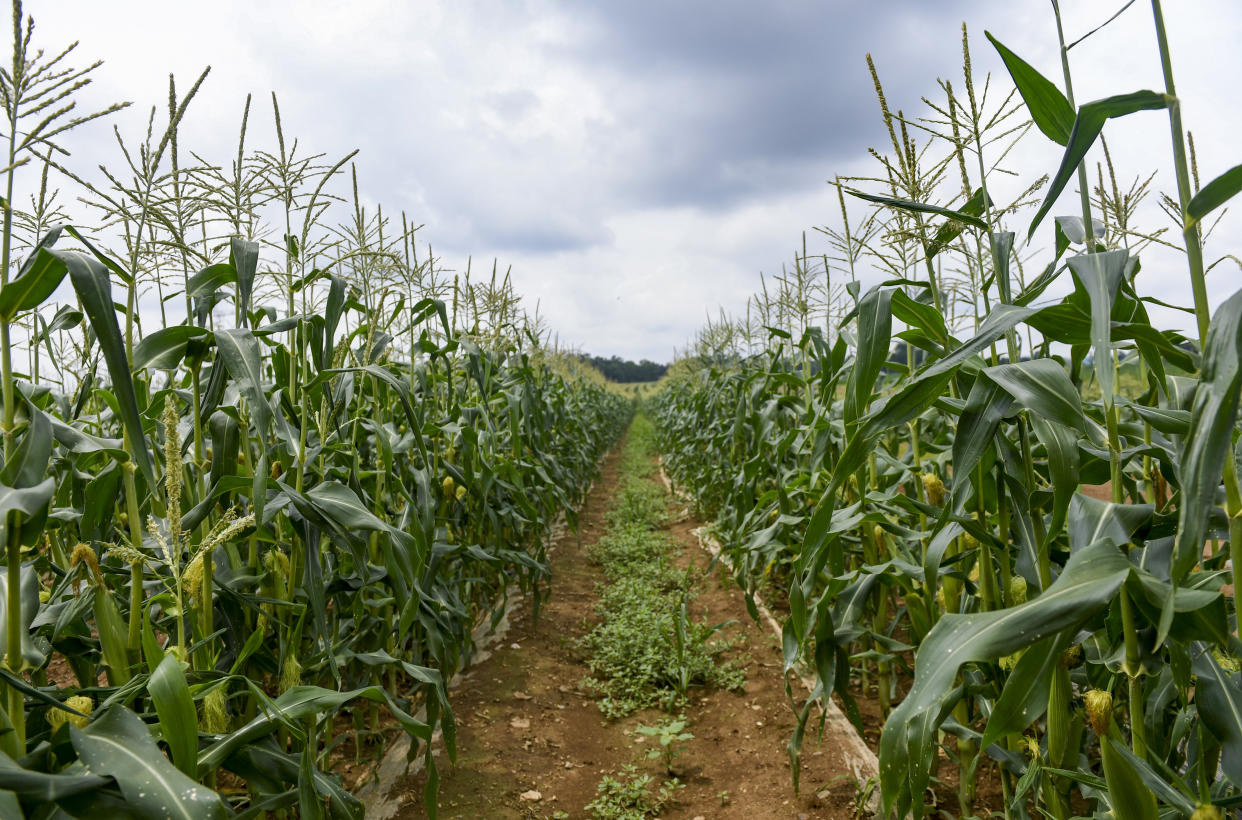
(624, 371)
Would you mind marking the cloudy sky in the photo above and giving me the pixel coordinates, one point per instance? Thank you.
(638, 163)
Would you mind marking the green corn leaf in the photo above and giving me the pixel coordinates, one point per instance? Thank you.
(268, 767)
(875, 325)
(165, 348)
(1025, 696)
(210, 279)
(1001, 245)
(1075, 233)
(1100, 274)
(293, 706)
(1087, 126)
(921, 207)
(38, 280)
(1213, 195)
(94, 288)
(29, 608)
(1049, 108)
(42, 788)
(335, 307)
(28, 464)
(240, 352)
(1218, 694)
(1183, 801)
(244, 257)
(1042, 387)
(985, 407)
(309, 804)
(178, 719)
(1061, 445)
(67, 317)
(1207, 444)
(919, 315)
(76, 441)
(1088, 584)
(1128, 796)
(1092, 520)
(117, 744)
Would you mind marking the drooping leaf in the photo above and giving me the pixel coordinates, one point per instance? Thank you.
(875, 321)
(922, 207)
(1208, 442)
(244, 257)
(1100, 274)
(1091, 519)
(240, 351)
(1043, 387)
(41, 788)
(164, 349)
(38, 280)
(1218, 695)
(1087, 126)
(907, 746)
(117, 744)
(1049, 108)
(94, 288)
(296, 704)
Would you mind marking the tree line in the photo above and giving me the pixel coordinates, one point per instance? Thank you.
(624, 371)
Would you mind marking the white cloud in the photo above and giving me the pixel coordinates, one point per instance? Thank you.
(637, 165)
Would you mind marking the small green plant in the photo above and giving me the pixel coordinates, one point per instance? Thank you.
(670, 733)
(629, 796)
(723, 797)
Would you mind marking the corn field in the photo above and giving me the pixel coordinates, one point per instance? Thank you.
(910, 468)
(269, 466)
(242, 546)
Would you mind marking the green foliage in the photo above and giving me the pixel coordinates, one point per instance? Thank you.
(628, 796)
(669, 733)
(624, 371)
(934, 502)
(230, 534)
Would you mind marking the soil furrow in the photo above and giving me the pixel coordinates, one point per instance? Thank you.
(532, 744)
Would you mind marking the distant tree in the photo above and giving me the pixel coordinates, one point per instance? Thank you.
(624, 371)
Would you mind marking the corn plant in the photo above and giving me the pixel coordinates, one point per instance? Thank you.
(238, 543)
(912, 478)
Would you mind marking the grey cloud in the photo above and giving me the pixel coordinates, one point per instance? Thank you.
(732, 101)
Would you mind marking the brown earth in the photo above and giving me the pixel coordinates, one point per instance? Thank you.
(525, 727)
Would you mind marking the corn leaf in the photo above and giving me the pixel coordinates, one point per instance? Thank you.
(1049, 108)
(170, 692)
(921, 207)
(117, 744)
(94, 288)
(1210, 437)
(1087, 126)
(1213, 195)
(907, 746)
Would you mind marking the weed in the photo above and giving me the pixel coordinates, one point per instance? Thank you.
(670, 733)
(629, 796)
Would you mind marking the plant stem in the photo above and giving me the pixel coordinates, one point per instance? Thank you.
(1190, 233)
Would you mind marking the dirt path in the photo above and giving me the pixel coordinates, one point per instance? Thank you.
(524, 727)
